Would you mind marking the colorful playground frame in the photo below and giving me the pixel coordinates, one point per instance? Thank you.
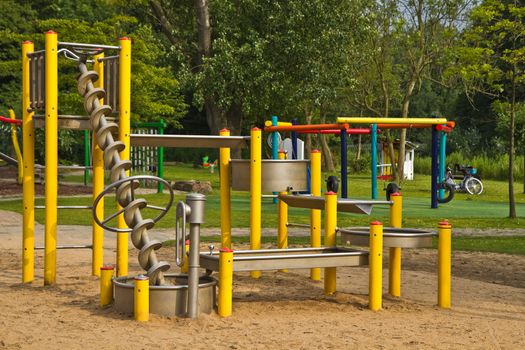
(328, 257)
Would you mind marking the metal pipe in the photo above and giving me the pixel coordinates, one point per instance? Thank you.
(305, 127)
(315, 214)
(66, 207)
(255, 192)
(294, 140)
(89, 246)
(344, 165)
(88, 46)
(107, 58)
(195, 201)
(28, 181)
(330, 236)
(291, 224)
(434, 171)
(225, 190)
(444, 264)
(373, 159)
(375, 284)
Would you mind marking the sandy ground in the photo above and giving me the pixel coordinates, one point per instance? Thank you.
(279, 310)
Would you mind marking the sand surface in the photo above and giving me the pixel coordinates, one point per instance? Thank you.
(277, 311)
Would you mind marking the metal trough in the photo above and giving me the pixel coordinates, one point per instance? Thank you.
(277, 175)
(166, 300)
(392, 237)
(343, 205)
(292, 258)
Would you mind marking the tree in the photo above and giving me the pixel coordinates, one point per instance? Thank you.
(494, 62)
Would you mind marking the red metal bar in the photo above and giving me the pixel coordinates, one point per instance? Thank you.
(306, 127)
(444, 128)
(351, 131)
(10, 121)
(412, 126)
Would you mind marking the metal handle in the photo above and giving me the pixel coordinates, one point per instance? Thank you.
(180, 234)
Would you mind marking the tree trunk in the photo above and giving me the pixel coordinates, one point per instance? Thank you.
(512, 203)
(214, 117)
(328, 161)
(358, 152)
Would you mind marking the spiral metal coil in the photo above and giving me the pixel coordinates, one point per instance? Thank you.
(117, 169)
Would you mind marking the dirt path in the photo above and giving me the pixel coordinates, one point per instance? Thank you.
(279, 310)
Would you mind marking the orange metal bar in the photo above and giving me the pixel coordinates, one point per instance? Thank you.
(306, 127)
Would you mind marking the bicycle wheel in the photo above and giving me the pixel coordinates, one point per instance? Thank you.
(474, 186)
(449, 192)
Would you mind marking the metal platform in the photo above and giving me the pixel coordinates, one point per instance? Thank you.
(72, 122)
(292, 258)
(343, 205)
(277, 175)
(392, 237)
(189, 141)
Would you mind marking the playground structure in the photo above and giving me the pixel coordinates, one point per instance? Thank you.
(166, 293)
(440, 128)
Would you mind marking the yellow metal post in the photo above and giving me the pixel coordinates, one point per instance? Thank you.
(16, 146)
(51, 154)
(225, 282)
(366, 120)
(330, 224)
(375, 283)
(282, 212)
(97, 259)
(106, 285)
(224, 171)
(184, 267)
(315, 214)
(394, 276)
(444, 263)
(124, 132)
(28, 183)
(141, 298)
(255, 192)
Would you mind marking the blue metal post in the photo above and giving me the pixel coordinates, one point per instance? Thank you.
(294, 140)
(373, 160)
(442, 160)
(275, 145)
(344, 165)
(435, 170)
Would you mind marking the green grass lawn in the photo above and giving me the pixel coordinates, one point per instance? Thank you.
(489, 210)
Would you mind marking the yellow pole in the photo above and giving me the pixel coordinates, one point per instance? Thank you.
(375, 283)
(106, 285)
(123, 134)
(315, 214)
(282, 210)
(97, 259)
(184, 267)
(394, 276)
(141, 298)
(16, 146)
(28, 183)
(225, 282)
(444, 263)
(224, 172)
(51, 154)
(365, 120)
(330, 224)
(255, 193)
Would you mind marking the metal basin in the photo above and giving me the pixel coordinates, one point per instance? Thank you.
(277, 175)
(291, 258)
(392, 237)
(168, 300)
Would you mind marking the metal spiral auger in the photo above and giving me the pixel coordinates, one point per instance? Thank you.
(123, 184)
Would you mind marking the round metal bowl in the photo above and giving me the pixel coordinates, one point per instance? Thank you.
(166, 300)
(392, 237)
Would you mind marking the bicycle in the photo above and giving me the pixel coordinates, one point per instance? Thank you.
(470, 183)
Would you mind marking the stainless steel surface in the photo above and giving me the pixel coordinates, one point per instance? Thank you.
(74, 122)
(277, 175)
(294, 258)
(181, 212)
(37, 80)
(196, 202)
(392, 237)
(169, 299)
(189, 141)
(343, 205)
(69, 247)
(119, 178)
(87, 46)
(66, 207)
(193, 271)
